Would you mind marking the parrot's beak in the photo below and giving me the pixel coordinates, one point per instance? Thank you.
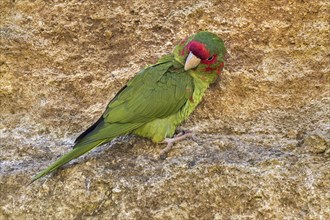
(191, 62)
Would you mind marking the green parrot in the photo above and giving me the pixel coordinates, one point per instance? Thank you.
(157, 99)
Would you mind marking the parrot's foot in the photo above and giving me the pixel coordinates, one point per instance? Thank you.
(170, 142)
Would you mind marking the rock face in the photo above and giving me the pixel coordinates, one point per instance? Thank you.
(262, 134)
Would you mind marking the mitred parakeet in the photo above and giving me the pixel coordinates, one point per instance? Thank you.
(157, 99)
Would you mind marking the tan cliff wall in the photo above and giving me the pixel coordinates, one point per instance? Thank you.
(261, 146)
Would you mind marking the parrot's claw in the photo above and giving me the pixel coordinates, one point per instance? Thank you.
(170, 142)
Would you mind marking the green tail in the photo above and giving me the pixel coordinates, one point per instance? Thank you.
(79, 150)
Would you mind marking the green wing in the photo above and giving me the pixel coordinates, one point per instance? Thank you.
(155, 92)
(154, 96)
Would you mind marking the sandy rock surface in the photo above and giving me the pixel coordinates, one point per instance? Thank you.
(262, 133)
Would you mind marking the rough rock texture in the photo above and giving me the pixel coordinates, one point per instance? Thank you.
(262, 132)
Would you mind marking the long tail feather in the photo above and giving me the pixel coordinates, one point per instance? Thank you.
(76, 152)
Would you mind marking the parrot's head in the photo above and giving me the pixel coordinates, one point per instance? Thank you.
(203, 52)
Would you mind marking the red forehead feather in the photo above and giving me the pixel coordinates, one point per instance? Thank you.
(198, 49)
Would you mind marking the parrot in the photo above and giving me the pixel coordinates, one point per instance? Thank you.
(157, 99)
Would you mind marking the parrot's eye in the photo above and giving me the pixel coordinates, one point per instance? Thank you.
(210, 58)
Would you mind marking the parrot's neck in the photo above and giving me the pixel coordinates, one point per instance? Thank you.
(201, 84)
(203, 80)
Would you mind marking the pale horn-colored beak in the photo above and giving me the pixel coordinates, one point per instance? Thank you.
(191, 62)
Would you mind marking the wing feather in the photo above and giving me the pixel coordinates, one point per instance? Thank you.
(154, 93)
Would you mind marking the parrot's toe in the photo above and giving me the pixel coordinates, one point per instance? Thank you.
(170, 142)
